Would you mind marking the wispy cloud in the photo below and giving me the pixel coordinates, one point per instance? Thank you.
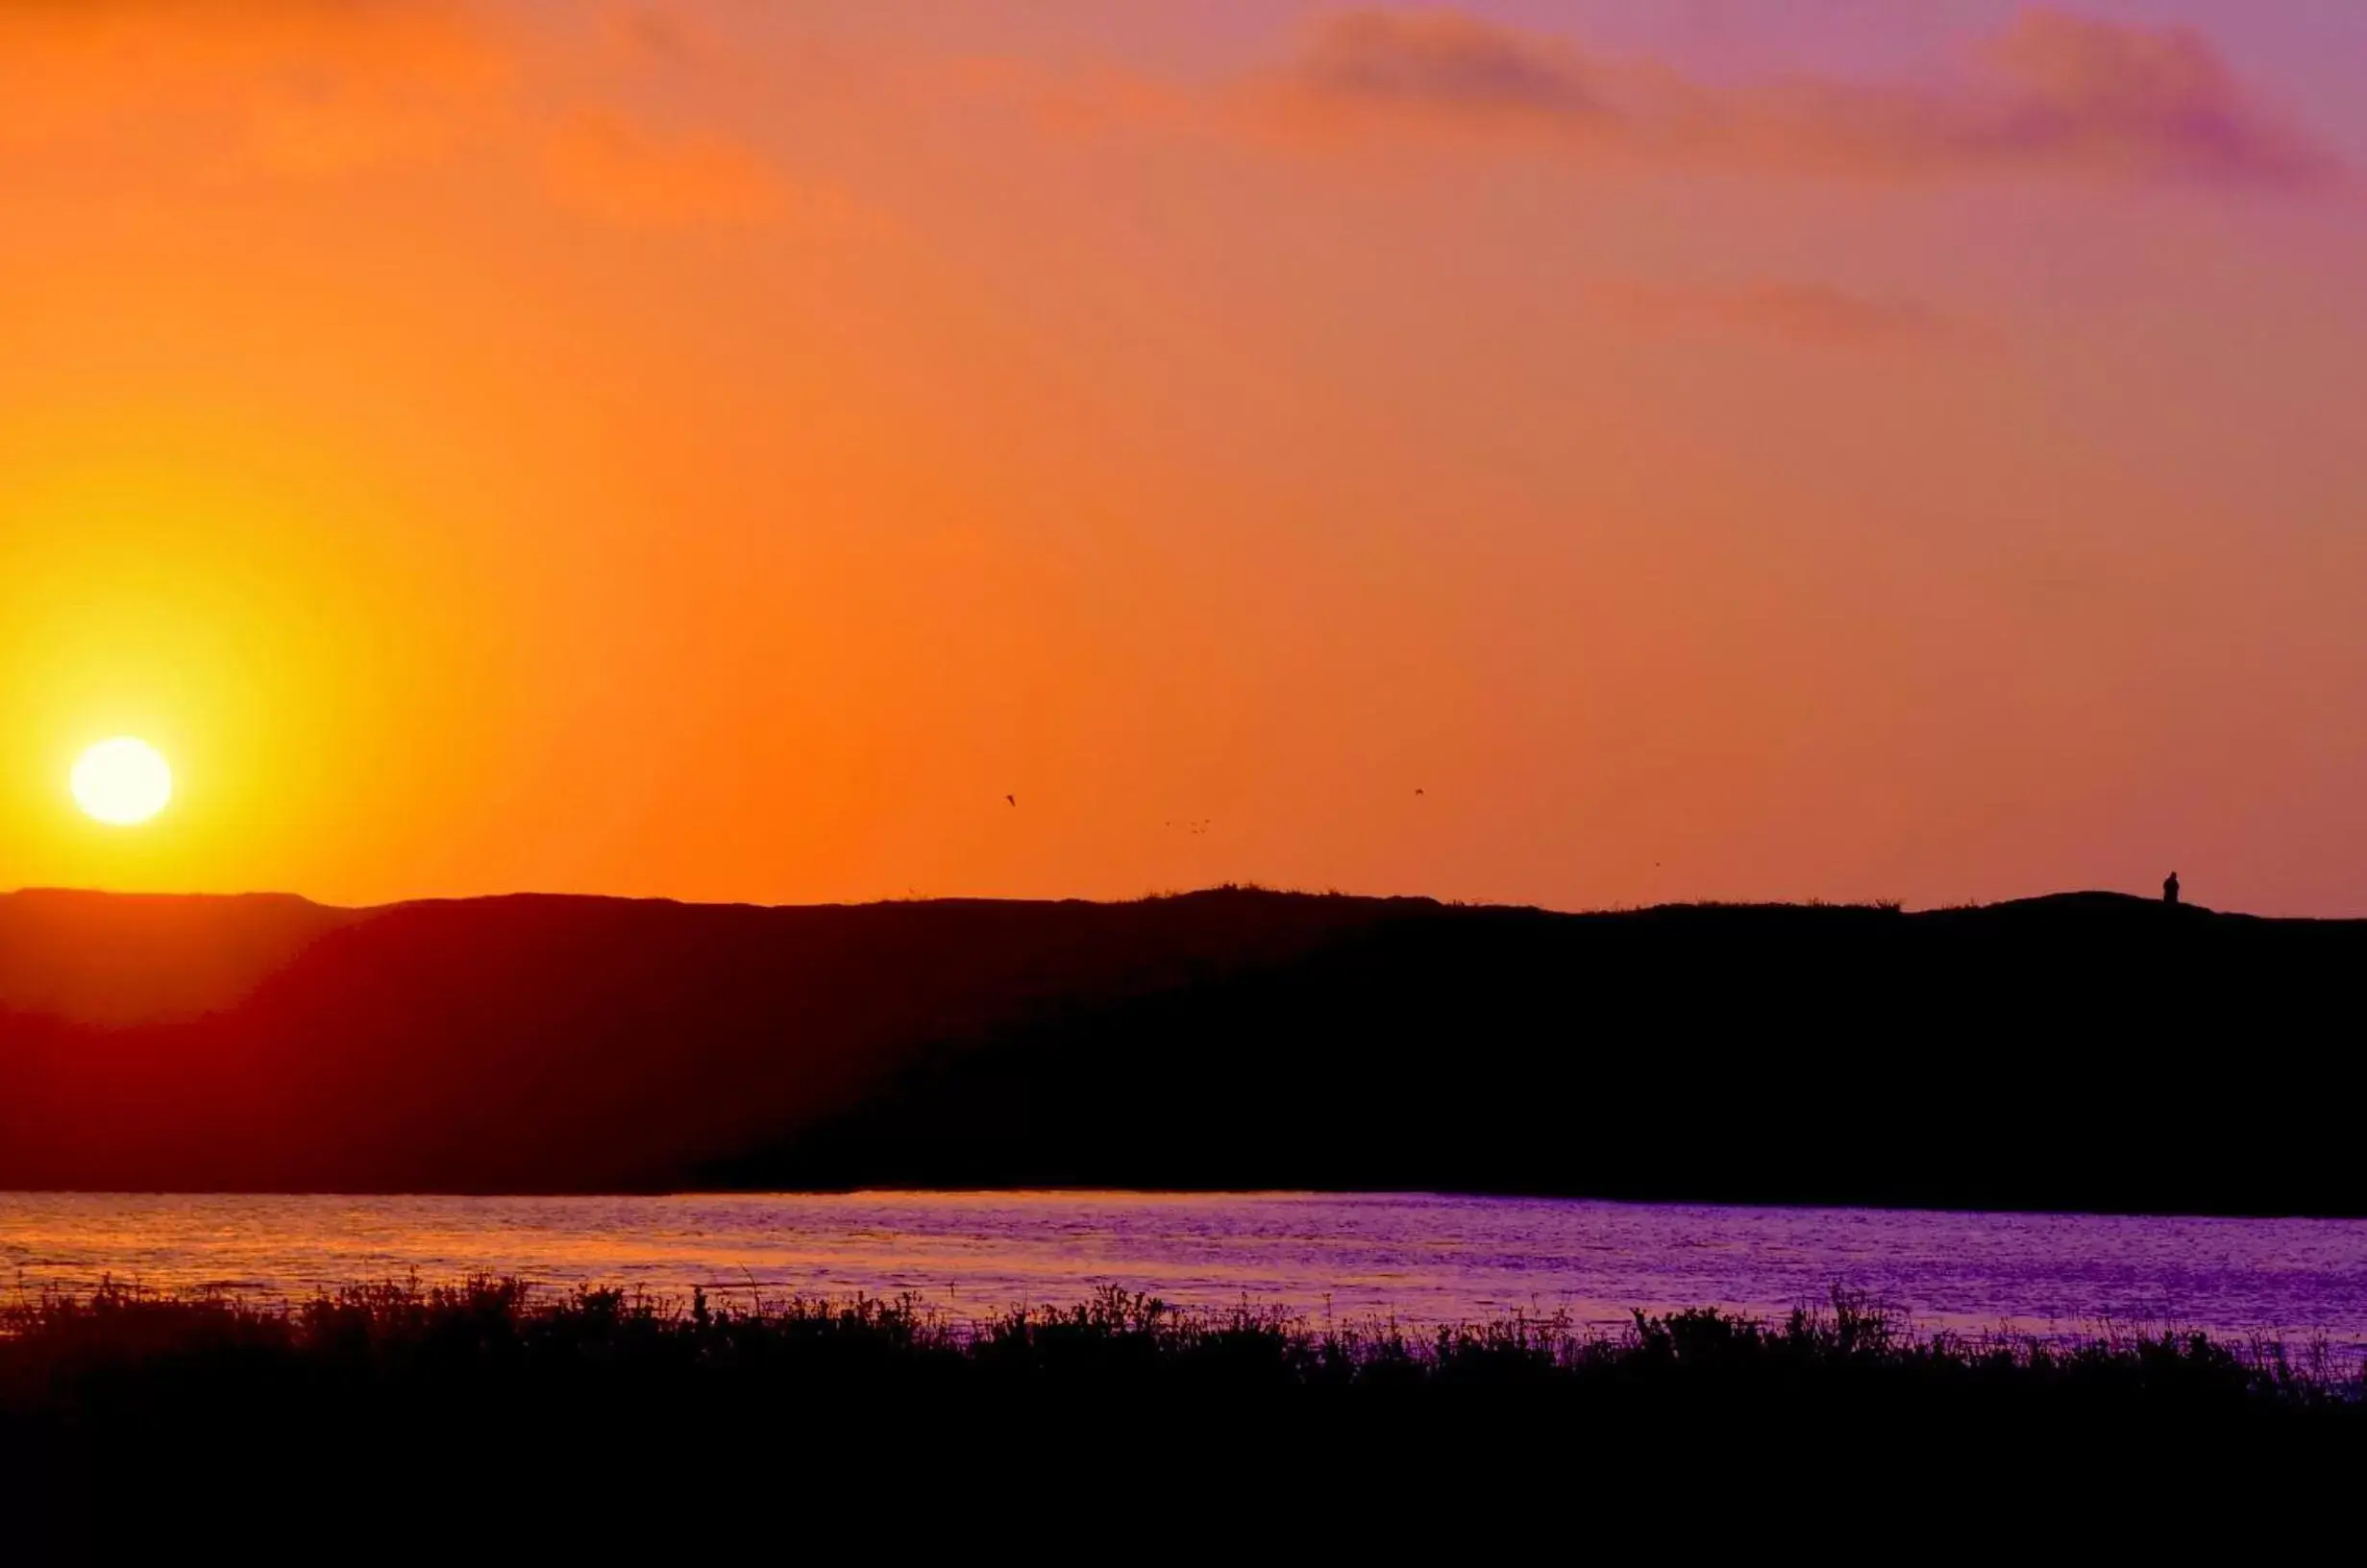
(1449, 65)
(294, 86)
(2054, 94)
(613, 168)
(667, 35)
(1810, 315)
(322, 88)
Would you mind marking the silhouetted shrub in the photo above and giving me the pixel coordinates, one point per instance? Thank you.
(487, 1399)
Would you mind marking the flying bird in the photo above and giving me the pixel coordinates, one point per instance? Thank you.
(1013, 799)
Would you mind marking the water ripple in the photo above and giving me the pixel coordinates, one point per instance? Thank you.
(1423, 1259)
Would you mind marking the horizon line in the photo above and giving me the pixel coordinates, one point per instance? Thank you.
(1240, 889)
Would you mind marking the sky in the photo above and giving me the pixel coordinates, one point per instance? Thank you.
(1584, 453)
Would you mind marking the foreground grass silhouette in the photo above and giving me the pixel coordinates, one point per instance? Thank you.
(488, 1400)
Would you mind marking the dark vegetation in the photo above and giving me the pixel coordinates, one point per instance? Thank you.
(379, 1405)
(2085, 1051)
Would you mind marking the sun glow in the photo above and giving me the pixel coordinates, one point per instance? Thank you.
(122, 782)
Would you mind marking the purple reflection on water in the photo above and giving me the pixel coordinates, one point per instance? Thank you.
(1424, 1258)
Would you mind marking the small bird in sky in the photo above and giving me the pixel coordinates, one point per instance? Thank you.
(1013, 799)
(1418, 792)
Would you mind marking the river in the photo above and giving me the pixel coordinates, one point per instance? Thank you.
(1423, 1259)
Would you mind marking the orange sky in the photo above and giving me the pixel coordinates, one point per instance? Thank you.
(718, 450)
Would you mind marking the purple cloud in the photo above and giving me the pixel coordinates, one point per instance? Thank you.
(2054, 94)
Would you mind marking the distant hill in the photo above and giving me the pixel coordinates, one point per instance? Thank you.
(116, 958)
(2079, 1051)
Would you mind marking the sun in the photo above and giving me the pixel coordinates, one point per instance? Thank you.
(123, 782)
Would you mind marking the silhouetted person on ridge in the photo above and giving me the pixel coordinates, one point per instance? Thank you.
(2169, 889)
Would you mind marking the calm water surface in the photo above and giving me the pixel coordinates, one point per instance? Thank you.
(1423, 1259)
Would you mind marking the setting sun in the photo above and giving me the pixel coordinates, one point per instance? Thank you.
(122, 782)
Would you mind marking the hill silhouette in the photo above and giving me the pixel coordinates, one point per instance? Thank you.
(121, 958)
(2084, 1051)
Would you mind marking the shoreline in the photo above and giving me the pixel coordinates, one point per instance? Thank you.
(1185, 1194)
(142, 1323)
(1423, 1260)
